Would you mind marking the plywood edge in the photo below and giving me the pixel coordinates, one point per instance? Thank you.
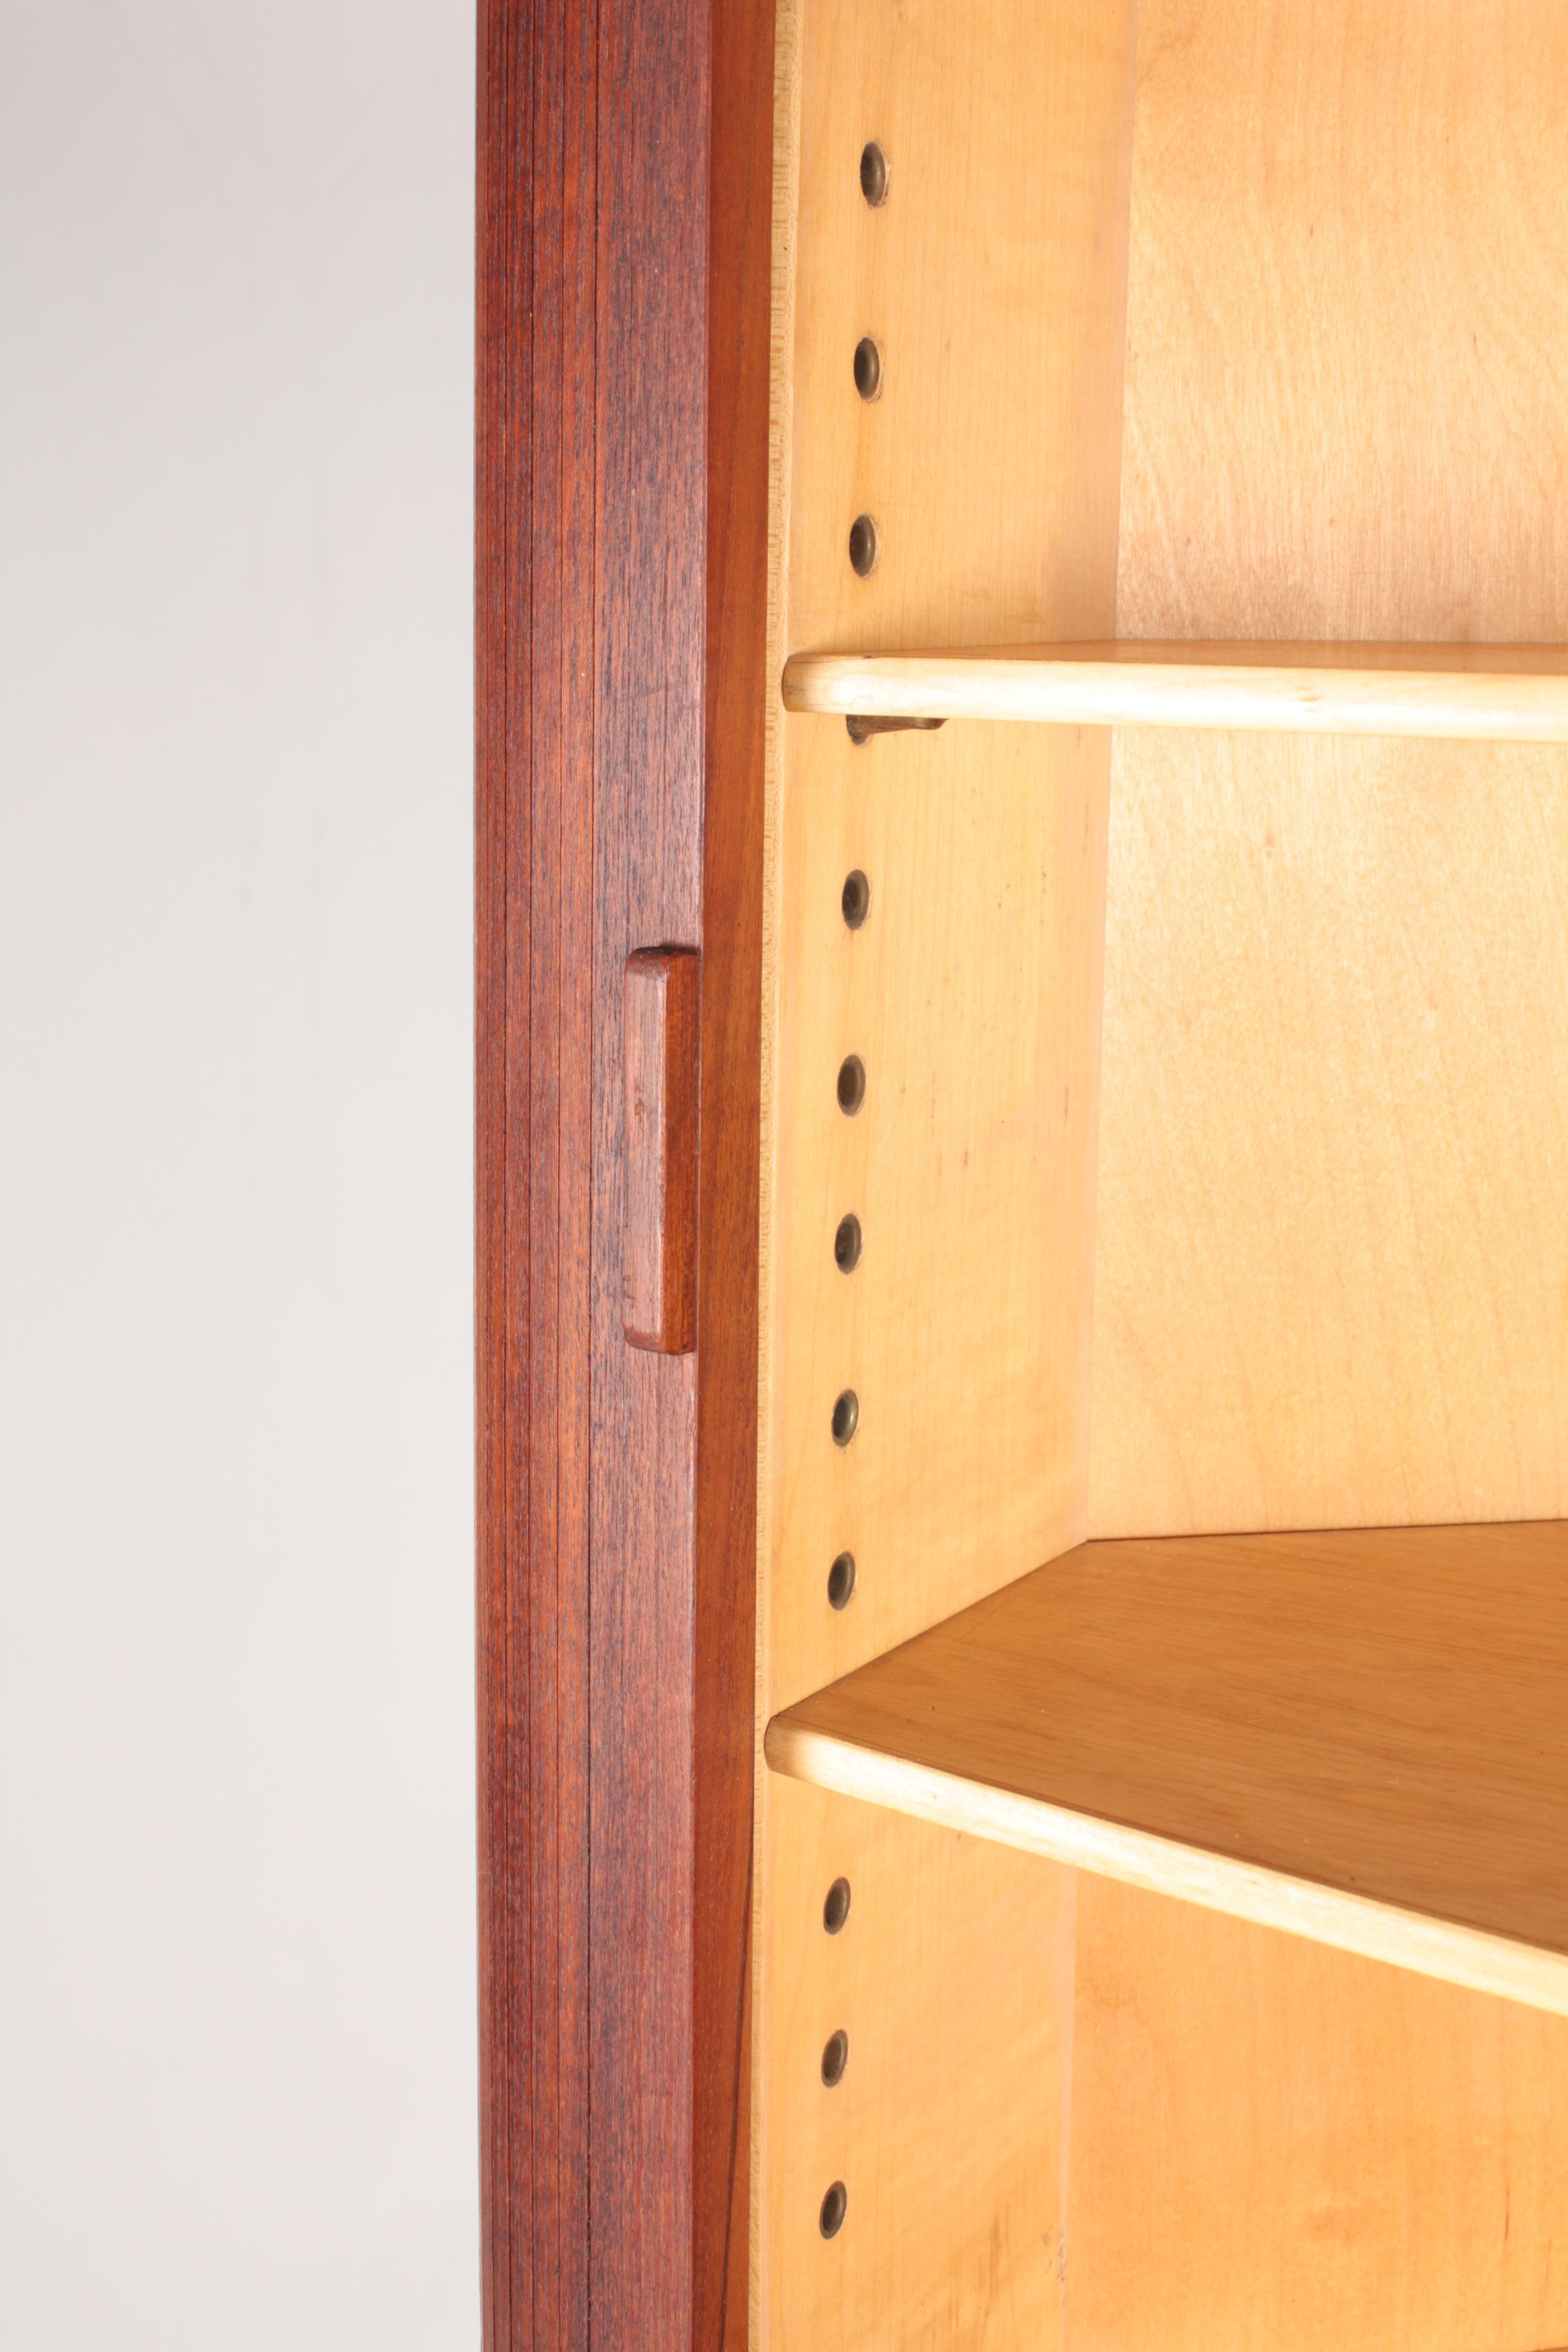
(1479, 693)
(786, 216)
(1325, 1915)
(787, 200)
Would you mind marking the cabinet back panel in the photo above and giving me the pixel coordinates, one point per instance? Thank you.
(1277, 2144)
(1331, 1273)
(1347, 328)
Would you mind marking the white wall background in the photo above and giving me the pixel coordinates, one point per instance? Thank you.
(237, 1967)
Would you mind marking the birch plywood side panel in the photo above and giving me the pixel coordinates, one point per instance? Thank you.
(992, 279)
(1278, 2143)
(952, 1980)
(970, 995)
(1332, 1253)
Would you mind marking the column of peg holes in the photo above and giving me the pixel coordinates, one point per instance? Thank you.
(943, 382)
(855, 900)
(835, 2058)
(918, 2009)
(854, 905)
(863, 544)
(936, 901)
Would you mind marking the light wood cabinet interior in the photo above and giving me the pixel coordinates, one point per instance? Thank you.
(1210, 1180)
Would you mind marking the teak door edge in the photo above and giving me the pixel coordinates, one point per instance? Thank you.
(621, 489)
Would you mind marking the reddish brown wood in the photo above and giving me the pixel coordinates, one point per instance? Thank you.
(534, 799)
(736, 690)
(621, 483)
(658, 1231)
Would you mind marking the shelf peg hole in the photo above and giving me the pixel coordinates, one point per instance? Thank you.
(874, 173)
(863, 549)
(851, 1084)
(835, 2058)
(841, 1582)
(835, 2205)
(845, 1416)
(846, 1243)
(835, 1905)
(855, 898)
(868, 368)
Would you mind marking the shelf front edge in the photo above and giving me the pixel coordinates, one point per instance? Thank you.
(1483, 694)
(1325, 1915)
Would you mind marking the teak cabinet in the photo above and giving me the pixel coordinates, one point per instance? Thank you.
(1022, 1175)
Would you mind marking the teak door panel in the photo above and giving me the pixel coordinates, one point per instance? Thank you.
(623, 336)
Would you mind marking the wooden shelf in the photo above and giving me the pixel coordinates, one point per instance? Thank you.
(1361, 1737)
(1487, 693)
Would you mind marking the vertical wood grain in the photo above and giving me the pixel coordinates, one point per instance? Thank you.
(648, 561)
(990, 463)
(736, 692)
(993, 280)
(952, 1980)
(1278, 2143)
(533, 802)
(1332, 1244)
(613, 1594)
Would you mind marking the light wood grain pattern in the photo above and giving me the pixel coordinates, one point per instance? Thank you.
(1360, 1737)
(1277, 2144)
(990, 463)
(952, 1978)
(1344, 424)
(1331, 1285)
(1331, 1282)
(1347, 328)
(971, 994)
(1180, 2132)
(994, 282)
(1486, 693)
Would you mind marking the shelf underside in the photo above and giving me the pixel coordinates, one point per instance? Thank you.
(1359, 1737)
(1484, 693)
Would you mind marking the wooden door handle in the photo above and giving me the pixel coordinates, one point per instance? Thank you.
(658, 1236)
